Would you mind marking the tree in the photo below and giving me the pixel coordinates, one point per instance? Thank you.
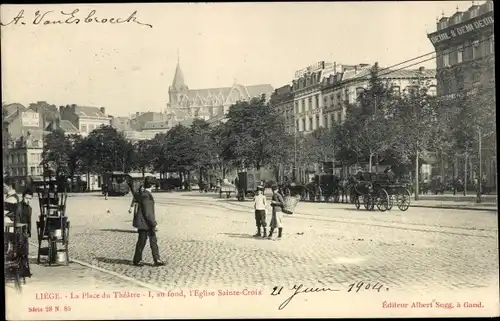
(56, 152)
(416, 122)
(142, 156)
(106, 150)
(369, 121)
(254, 135)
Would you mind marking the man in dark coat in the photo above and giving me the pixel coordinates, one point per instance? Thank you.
(145, 223)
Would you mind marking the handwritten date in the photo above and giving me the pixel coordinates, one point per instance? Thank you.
(67, 18)
(366, 286)
(300, 289)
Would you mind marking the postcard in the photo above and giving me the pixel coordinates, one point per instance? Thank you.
(249, 160)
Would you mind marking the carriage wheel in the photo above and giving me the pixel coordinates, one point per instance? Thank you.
(403, 200)
(382, 200)
(368, 202)
(356, 202)
(352, 197)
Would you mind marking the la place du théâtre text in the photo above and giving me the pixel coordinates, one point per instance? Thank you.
(84, 295)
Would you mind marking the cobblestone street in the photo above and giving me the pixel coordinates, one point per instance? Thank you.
(207, 242)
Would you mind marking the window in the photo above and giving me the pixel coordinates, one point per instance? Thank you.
(32, 170)
(359, 91)
(446, 59)
(310, 123)
(396, 90)
(309, 107)
(325, 124)
(475, 49)
(317, 121)
(317, 101)
(296, 107)
(297, 125)
(460, 50)
(339, 117)
(492, 44)
(83, 128)
(432, 91)
(476, 77)
(303, 105)
(303, 124)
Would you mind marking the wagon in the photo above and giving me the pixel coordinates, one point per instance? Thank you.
(247, 184)
(383, 194)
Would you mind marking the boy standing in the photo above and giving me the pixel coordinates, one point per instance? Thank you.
(277, 217)
(259, 203)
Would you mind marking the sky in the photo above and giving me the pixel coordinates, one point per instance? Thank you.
(128, 67)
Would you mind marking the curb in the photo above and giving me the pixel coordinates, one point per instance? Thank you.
(492, 209)
(118, 275)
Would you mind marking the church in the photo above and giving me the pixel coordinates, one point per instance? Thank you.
(208, 103)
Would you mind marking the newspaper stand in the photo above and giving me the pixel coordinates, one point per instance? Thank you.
(53, 224)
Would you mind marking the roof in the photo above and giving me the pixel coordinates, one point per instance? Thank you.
(162, 124)
(11, 111)
(218, 96)
(86, 111)
(389, 74)
(68, 127)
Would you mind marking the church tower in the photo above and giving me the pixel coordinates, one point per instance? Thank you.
(178, 90)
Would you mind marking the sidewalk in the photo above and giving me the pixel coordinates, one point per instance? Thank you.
(59, 281)
(454, 204)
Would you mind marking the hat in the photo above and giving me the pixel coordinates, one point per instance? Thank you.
(149, 181)
(274, 187)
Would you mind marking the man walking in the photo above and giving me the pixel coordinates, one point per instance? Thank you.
(260, 211)
(145, 222)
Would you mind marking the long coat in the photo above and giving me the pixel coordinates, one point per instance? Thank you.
(144, 216)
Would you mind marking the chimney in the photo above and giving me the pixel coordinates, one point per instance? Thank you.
(421, 69)
(61, 111)
(103, 110)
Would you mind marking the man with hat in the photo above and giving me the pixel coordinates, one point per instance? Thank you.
(145, 222)
(259, 203)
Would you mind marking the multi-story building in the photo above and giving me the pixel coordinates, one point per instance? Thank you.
(307, 96)
(465, 50)
(282, 102)
(25, 157)
(341, 89)
(465, 62)
(22, 122)
(185, 103)
(84, 118)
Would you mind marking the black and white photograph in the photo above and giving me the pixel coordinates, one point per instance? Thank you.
(249, 160)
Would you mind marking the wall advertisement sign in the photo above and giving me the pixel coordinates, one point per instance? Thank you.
(483, 21)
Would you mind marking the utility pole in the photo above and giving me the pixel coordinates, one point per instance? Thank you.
(480, 179)
(294, 150)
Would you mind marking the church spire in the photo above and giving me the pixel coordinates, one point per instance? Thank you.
(178, 76)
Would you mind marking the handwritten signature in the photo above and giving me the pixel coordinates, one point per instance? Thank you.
(300, 289)
(74, 17)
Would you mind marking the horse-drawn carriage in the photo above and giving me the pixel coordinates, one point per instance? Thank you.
(382, 193)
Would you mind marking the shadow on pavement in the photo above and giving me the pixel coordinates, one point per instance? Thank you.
(117, 261)
(118, 230)
(239, 235)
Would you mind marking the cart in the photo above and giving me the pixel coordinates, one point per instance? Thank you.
(371, 195)
(53, 224)
(247, 184)
(399, 195)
